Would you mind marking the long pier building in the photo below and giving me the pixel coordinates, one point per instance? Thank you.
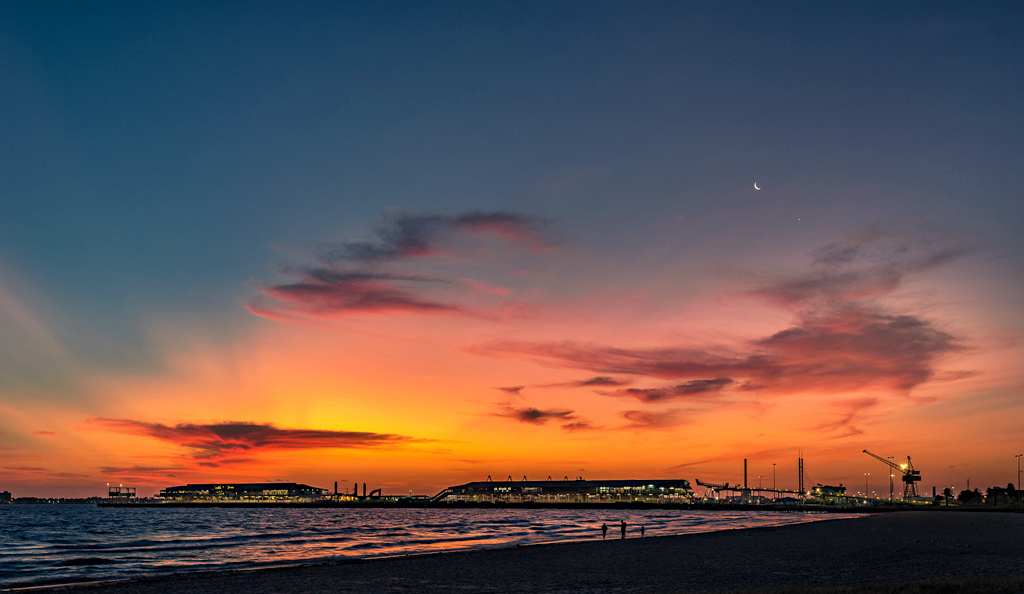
(570, 491)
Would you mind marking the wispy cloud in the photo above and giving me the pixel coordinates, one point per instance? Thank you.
(143, 471)
(218, 442)
(580, 426)
(843, 425)
(690, 388)
(601, 381)
(378, 276)
(870, 264)
(36, 471)
(403, 234)
(514, 390)
(656, 420)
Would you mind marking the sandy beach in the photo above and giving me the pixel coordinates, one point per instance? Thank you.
(862, 554)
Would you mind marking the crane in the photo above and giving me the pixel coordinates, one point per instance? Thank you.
(910, 476)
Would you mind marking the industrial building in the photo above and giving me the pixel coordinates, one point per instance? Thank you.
(833, 495)
(570, 491)
(243, 492)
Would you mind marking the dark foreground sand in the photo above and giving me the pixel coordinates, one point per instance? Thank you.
(983, 550)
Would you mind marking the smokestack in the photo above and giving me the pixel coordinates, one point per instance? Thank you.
(335, 489)
(364, 489)
(744, 473)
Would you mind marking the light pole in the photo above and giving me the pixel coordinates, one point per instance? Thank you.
(775, 491)
(890, 479)
(866, 475)
(1018, 476)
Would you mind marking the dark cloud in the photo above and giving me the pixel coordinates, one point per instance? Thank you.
(218, 441)
(25, 469)
(47, 433)
(645, 419)
(599, 381)
(358, 276)
(844, 351)
(535, 416)
(515, 390)
(324, 293)
(579, 426)
(690, 388)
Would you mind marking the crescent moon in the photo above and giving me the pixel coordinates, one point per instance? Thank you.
(755, 186)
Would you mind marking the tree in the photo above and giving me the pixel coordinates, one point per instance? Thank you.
(970, 497)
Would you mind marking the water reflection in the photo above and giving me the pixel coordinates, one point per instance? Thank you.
(64, 543)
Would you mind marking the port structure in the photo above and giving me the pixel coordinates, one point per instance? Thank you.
(910, 476)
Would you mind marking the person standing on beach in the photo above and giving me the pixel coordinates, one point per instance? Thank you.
(604, 531)
(623, 527)
(641, 532)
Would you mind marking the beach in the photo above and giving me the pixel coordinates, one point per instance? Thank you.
(956, 547)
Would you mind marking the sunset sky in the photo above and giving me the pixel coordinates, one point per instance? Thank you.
(418, 244)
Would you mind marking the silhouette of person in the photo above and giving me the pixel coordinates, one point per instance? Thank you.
(641, 532)
(604, 531)
(623, 527)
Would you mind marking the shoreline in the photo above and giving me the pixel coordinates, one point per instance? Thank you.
(829, 553)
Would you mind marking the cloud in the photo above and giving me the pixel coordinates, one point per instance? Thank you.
(842, 337)
(535, 416)
(514, 390)
(839, 352)
(403, 234)
(844, 423)
(579, 426)
(870, 265)
(47, 433)
(324, 293)
(37, 471)
(219, 441)
(376, 276)
(599, 381)
(143, 471)
(690, 388)
(644, 419)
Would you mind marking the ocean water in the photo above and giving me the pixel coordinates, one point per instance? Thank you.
(56, 544)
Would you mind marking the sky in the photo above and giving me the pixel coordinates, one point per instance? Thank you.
(415, 244)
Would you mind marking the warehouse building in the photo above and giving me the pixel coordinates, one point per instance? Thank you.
(570, 491)
(243, 492)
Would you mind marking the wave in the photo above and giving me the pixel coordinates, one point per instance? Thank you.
(106, 543)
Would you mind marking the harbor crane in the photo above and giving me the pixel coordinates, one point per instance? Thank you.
(910, 476)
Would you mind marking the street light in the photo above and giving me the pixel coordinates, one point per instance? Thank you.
(866, 475)
(775, 491)
(890, 479)
(1018, 477)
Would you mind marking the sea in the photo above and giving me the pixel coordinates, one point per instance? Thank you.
(44, 545)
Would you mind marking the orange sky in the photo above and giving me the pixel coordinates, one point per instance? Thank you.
(858, 347)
